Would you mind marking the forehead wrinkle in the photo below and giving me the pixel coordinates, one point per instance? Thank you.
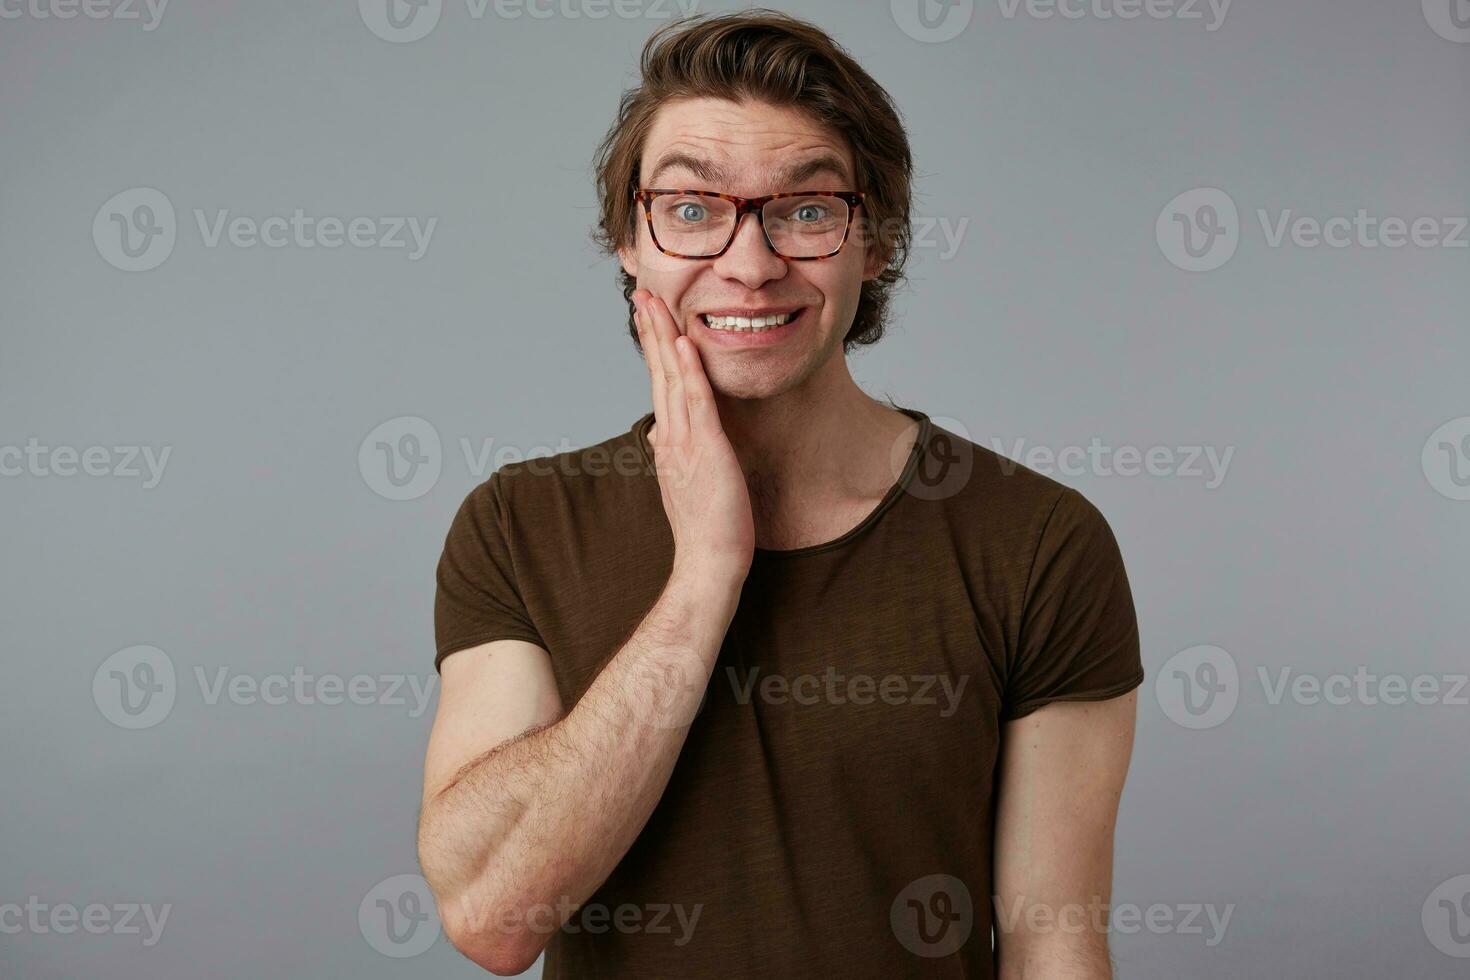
(714, 173)
(703, 169)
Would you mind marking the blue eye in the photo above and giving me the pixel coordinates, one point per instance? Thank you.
(683, 212)
(806, 208)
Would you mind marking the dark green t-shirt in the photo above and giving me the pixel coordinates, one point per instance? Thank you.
(832, 810)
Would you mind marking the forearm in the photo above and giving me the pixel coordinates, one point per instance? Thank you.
(1047, 926)
(1082, 956)
(534, 826)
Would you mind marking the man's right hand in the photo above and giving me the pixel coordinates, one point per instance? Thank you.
(699, 476)
(505, 832)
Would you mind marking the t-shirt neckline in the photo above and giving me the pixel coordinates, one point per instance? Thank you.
(911, 467)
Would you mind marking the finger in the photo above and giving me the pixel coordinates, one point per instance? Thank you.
(674, 404)
(657, 386)
(704, 415)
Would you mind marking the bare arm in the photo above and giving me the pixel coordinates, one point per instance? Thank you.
(1062, 773)
(527, 810)
(516, 838)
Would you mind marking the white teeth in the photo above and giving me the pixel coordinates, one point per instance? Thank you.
(751, 324)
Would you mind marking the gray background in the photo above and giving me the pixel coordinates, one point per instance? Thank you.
(267, 544)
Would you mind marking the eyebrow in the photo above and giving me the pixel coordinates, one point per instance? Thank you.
(713, 173)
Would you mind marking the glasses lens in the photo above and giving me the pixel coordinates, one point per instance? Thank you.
(692, 225)
(803, 227)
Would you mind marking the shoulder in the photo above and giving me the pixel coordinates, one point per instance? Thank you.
(997, 502)
(568, 497)
(577, 473)
(965, 475)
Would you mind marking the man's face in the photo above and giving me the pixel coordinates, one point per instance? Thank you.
(750, 149)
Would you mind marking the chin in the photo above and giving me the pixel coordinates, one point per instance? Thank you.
(747, 388)
(754, 382)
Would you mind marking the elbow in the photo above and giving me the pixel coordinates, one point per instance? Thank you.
(504, 957)
(500, 929)
(499, 934)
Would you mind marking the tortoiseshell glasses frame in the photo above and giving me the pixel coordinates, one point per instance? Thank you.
(743, 206)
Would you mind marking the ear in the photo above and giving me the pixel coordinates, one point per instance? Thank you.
(628, 256)
(876, 252)
(874, 262)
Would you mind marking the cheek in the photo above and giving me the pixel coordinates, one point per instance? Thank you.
(654, 265)
(652, 262)
(840, 281)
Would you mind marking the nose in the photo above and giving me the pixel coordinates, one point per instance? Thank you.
(749, 260)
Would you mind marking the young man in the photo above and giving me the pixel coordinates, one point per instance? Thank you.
(782, 681)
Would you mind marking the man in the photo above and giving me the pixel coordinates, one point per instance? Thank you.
(781, 682)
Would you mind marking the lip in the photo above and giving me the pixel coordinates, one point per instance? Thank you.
(748, 338)
(750, 312)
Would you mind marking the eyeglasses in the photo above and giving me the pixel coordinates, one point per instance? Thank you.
(701, 224)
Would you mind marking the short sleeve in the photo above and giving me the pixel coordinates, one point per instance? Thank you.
(477, 599)
(1078, 638)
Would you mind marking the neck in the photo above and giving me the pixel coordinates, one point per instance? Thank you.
(822, 440)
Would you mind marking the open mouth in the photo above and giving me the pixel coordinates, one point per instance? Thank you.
(750, 325)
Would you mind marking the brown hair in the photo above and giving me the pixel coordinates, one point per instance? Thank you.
(767, 56)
